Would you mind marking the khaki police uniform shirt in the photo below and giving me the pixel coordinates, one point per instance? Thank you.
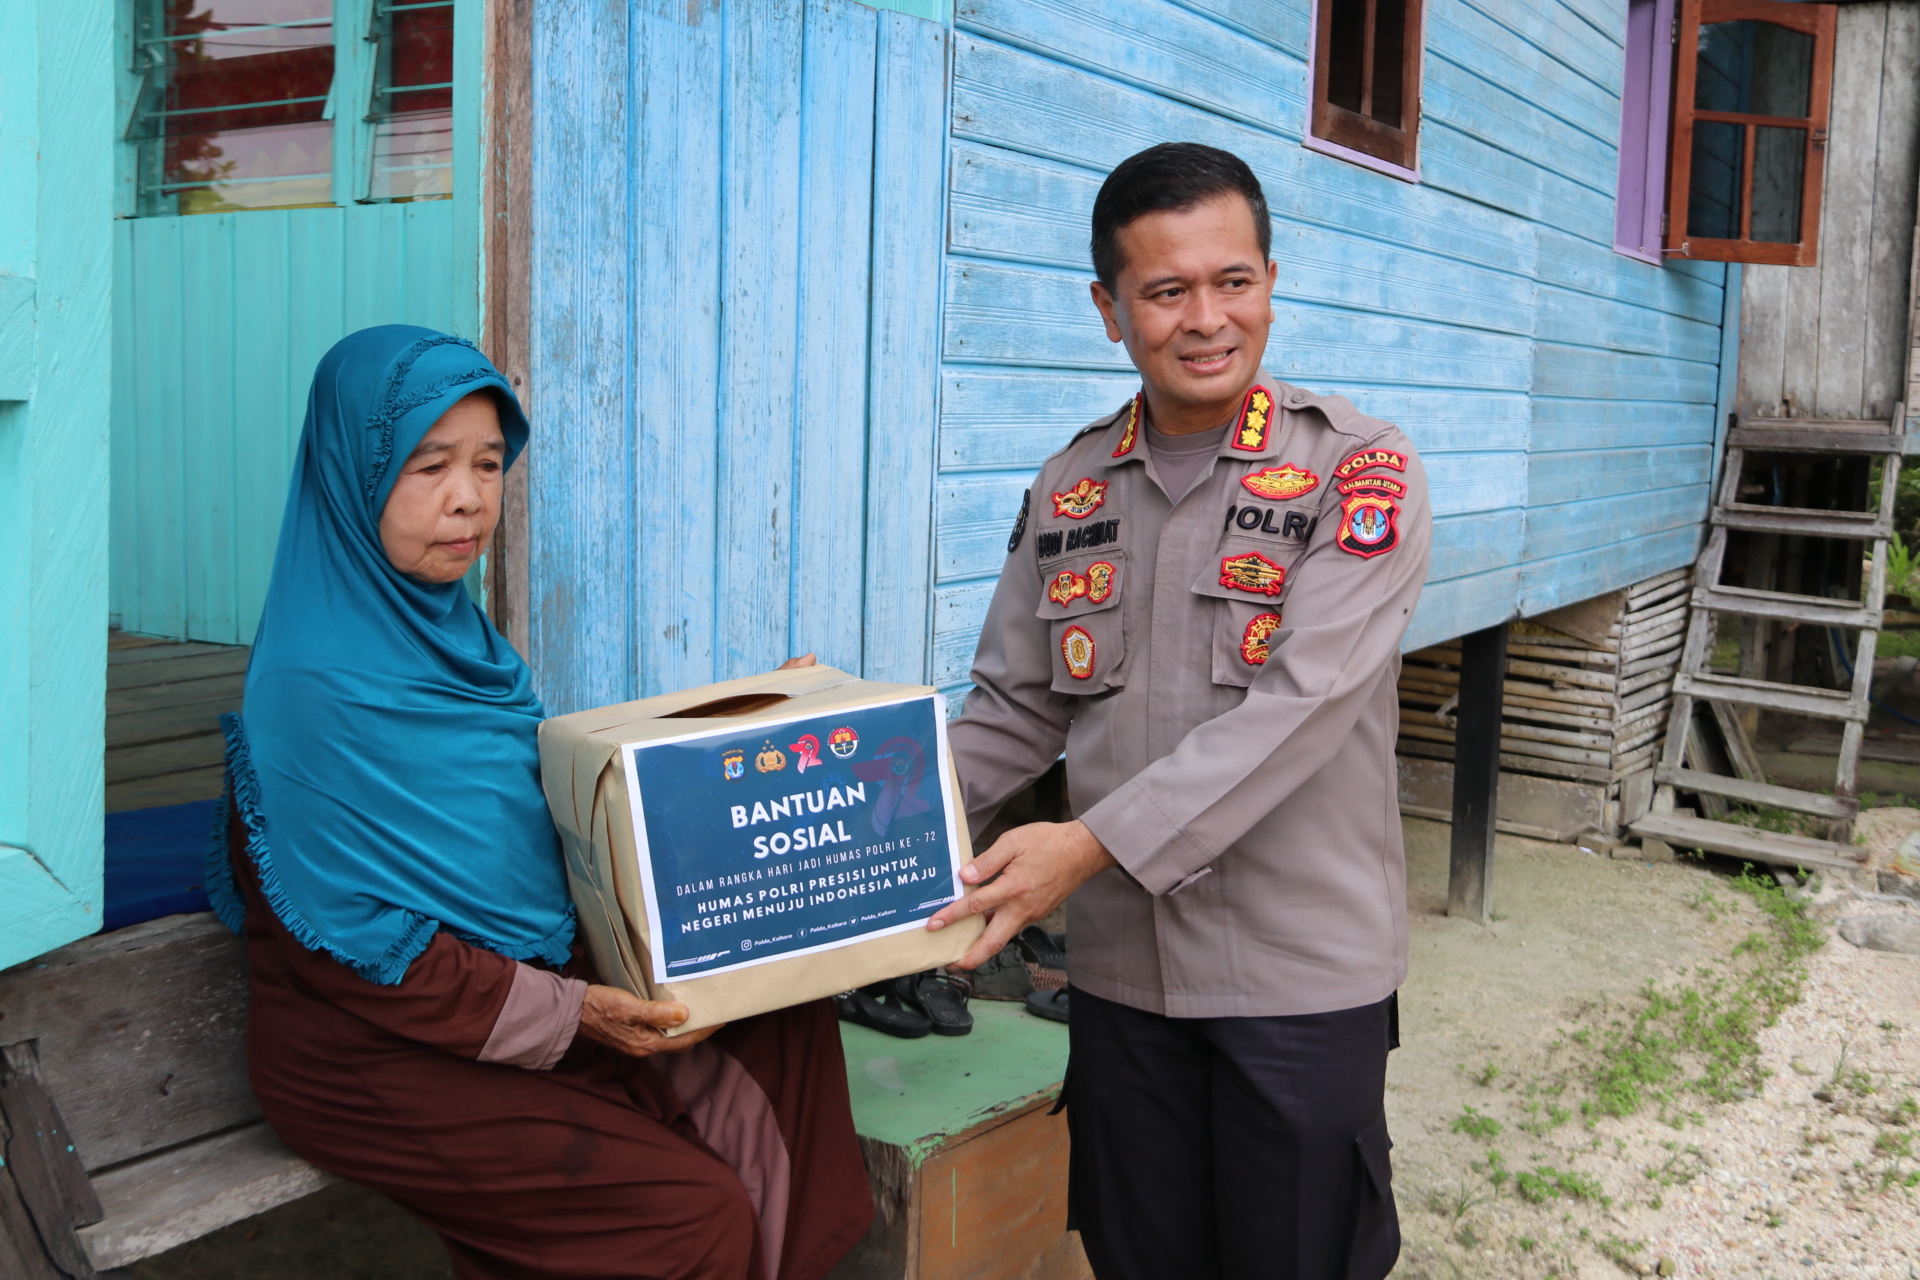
(1221, 674)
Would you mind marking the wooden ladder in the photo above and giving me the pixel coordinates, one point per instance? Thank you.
(1694, 680)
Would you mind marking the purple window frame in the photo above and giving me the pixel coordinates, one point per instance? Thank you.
(1646, 117)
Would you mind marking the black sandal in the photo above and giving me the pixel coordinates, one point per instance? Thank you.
(942, 998)
(863, 1005)
(1004, 976)
(1051, 1005)
(1038, 946)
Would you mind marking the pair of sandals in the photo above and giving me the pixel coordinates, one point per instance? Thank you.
(916, 1005)
(1031, 969)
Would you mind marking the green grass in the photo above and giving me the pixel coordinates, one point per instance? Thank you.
(1543, 1183)
(1474, 1124)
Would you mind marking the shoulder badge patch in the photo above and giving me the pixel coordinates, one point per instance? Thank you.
(1020, 523)
(1280, 483)
(1252, 572)
(1099, 581)
(1254, 644)
(1256, 416)
(1374, 484)
(1367, 526)
(1367, 458)
(1080, 501)
(1066, 587)
(1076, 646)
(1132, 433)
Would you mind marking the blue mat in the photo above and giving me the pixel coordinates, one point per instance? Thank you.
(156, 860)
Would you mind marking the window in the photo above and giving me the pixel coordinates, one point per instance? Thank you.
(412, 113)
(282, 104)
(232, 110)
(1366, 82)
(1751, 91)
(1646, 104)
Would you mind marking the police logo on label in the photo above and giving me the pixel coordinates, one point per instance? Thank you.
(1099, 581)
(770, 760)
(1367, 527)
(1076, 646)
(734, 764)
(1277, 484)
(1080, 501)
(1256, 415)
(1255, 643)
(1374, 484)
(1066, 587)
(1368, 458)
(843, 741)
(1252, 572)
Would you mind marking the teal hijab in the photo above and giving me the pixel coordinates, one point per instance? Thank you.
(386, 769)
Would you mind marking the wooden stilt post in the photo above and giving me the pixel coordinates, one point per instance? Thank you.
(1476, 772)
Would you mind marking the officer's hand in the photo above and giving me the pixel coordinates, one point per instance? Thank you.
(804, 660)
(1037, 866)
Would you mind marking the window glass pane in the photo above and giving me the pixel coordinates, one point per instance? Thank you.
(1713, 199)
(232, 102)
(413, 101)
(1779, 171)
(1389, 59)
(1754, 67)
(1346, 53)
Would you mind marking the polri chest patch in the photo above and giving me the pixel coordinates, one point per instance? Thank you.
(1252, 572)
(1082, 500)
(1256, 643)
(1277, 484)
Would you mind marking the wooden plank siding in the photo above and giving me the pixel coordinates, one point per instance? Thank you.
(1565, 397)
(219, 321)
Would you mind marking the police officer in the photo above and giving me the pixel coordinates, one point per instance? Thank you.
(1202, 605)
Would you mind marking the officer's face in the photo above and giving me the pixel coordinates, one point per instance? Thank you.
(1193, 304)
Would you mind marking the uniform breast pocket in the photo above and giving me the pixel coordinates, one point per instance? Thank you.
(1080, 599)
(1247, 581)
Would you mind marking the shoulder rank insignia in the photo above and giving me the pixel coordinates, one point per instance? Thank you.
(1374, 484)
(1254, 644)
(1253, 572)
(1020, 522)
(1066, 587)
(1367, 526)
(1132, 433)
(1080, 501)
(1099, 581)
(1279, 483)
(1367, 458)
(1256, 416)
(1076, 646)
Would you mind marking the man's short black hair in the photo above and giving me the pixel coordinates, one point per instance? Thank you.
(1173, 175)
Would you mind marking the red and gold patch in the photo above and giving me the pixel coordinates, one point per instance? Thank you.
(1256, 417)
(1279, 483)
(1076, 646)
(1099, 581)
(1066, 587)
(1367, 526)
(1252, 572)
(1080, 501)
(1131, 434)
(1374, 484)
(1368, 458)
(1254, 644)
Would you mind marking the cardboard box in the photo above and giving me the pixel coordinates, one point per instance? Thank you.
(794, 831)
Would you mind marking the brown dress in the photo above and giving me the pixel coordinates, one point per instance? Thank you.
(597, 1168)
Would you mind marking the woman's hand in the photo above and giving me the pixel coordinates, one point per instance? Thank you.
(804, 660)
(627, 1024)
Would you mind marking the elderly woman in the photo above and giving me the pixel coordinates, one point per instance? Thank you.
(421, 1021)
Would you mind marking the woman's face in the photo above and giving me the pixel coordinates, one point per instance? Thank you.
(443, 506)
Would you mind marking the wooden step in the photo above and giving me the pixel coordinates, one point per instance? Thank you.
(1860, 525)
(1745, 842)
(1831, 704)
(1804, 435)
(1747, 602)
(1715, 784)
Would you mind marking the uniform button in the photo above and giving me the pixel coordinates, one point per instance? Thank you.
(1298, 397)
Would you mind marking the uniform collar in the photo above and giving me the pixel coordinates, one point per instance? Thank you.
(1255, 432)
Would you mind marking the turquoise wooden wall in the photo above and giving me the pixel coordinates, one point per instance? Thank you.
(1564, 397)
(218, 321)
(735, 319)
(56, 199)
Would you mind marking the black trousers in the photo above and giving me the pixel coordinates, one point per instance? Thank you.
(1231, 1148)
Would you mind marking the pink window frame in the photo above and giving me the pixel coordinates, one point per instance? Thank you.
(1646, 120)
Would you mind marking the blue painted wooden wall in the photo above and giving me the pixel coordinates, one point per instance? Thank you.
(735, 319)
(1564, 397)
(219, 320)
(56, 199)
